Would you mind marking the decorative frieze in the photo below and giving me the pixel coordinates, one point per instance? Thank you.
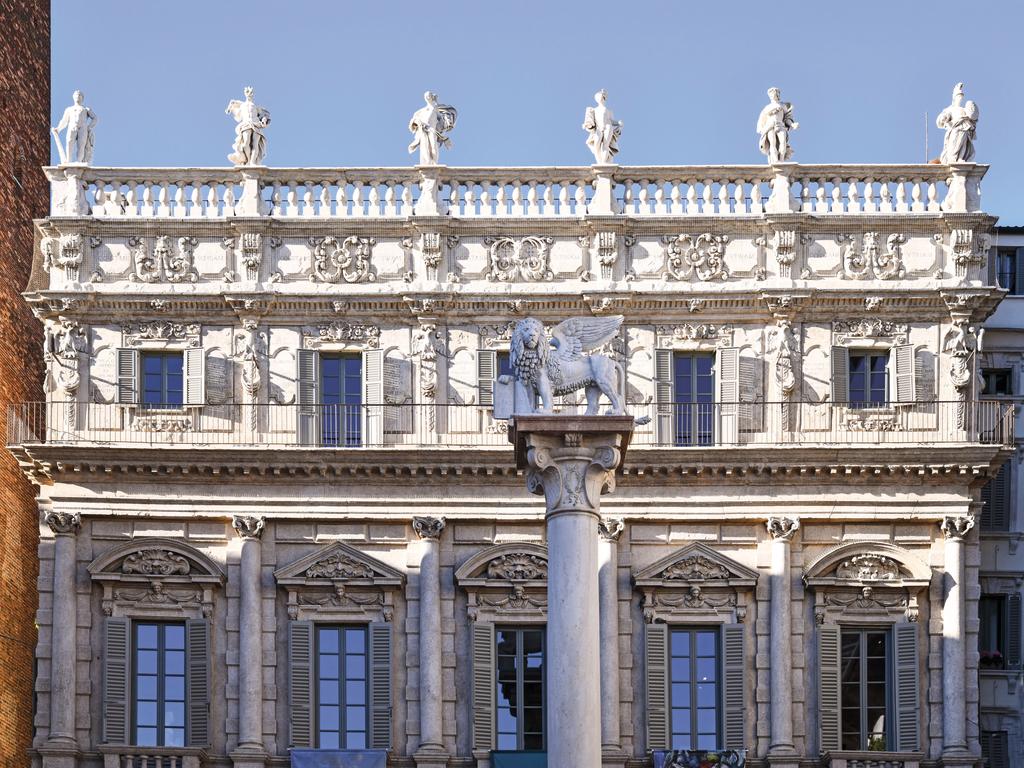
(165, 262)
(510, 260)
(695, 568)
(847, 332)
(673, 335)
(865, 259)
(66, 253)
(156, 562)
(701, 257)
(141, 333)
(868, 566)
(357, 334)
(339, 566)
(342, 260)
(158, 594)
(518, 566)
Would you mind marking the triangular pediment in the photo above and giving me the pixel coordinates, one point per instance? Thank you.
(338, 562)
(695, 563)
(518, 562)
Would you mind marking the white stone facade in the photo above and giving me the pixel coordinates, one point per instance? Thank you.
(784, 508)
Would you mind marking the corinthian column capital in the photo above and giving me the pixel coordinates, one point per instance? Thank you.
(610, 528)
(429, 527)
(957, 526)
(782, 528)
(61, 522)
(249, 526)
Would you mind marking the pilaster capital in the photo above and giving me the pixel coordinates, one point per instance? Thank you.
(782, 528)
(574, 477)
(610, 528)
(63, 523)
(429, 528)
(957, 527)
(248, 526)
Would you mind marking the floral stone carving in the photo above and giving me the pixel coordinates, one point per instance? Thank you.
(868, 567)
(518, 567)
(156, 562)
(342, 260)
(702, 257)
(695, 568)
(339, 566)
(509, 259)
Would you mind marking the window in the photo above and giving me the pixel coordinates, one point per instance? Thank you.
(693, 395)
(992, 632)
(163, 379)
(520, 689)
(694, 692)
(995, 748)
(342, 689)
(868, 379)
(341, 388)
(159, 684)
(1006, 270)
(996, 496)
(996, 381)
(504, 359)
(865, 692)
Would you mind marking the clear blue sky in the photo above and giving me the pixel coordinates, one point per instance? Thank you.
(342, 78)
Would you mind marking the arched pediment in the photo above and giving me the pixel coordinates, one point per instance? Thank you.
(868, 563)
(155, 558)
(338, 562)
(695, 563)
(519, 562)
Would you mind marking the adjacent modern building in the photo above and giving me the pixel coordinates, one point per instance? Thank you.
(282, 525)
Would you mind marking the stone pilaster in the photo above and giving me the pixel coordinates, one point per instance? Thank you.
(954, 658)
(251, 750)
(431, 752)
(780, 749)
(609, 530)
(571, 461)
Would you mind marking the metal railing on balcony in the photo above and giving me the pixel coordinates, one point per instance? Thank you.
(679, 425)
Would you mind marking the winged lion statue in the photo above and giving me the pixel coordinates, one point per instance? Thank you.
(558, 366)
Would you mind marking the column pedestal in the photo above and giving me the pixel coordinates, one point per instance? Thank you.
(571, 461)
(603, 202)
(954, 674)
(431, 752)
(251, 752)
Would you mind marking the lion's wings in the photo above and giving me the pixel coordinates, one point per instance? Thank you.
(577, 335)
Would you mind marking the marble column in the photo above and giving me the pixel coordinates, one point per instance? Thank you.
(954, 675)
(63, 678)
(780, 748)
(431, 751)
(571, 461)
(250, 642)
(609, 530)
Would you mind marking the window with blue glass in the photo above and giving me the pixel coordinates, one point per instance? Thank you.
(865, 693)
(694, 694)
(163, 379)
(693, 390)
(342, 687)
(341, 392)
(504, 363)
(520, 689)
(1007, 270)
(869, 379)
(159, 684)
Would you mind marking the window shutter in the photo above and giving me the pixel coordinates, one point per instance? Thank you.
(307, 395)
(727, 384)
(483, 686)
(828, 687)
(486, 373)
(995, 749)
(995, 515)
(380, 685)
(904, 385)
(1013, 630)
(656, 674)
(300, 683)
(128, 376)
(908, 700)
(373, 397)
(840, 375)
(734, 687)
(198, 635)
(115, 679)
(663, 396)
(1018, 290)
(195, 377)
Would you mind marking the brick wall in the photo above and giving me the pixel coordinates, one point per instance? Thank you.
(24, 195)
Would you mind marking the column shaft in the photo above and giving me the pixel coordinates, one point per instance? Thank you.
(781, 613)
(430, 645)
(954, 707)
(63, 679)
(250, 648)
(608, 589)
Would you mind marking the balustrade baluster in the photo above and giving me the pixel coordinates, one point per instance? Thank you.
(549, 199)
(133, 199)
(707, 204)
(275, 199)
(806, 202)
(837, 195)
(563, 199)
(852, 197)
(628, 201)
(453, 198)
(739, 197)
(406, 197)
(195, 206)
(756, 206)
(692, 207)
(517, 198)
(581, 198)
(324, 210)
(164, 208)
(645, 207)
(901, 195)
(229, 198)
(659, 197)
(97, 197)
(147, 199)
(502, 200)
(723, 196)
(469, 199)
(531, 200)
(915, 195)
(869, 196)
(933, 197)
(374, 200)
(357, 199)
(341, 199)
(293, 199)
(308, 209)
(486, 204)
(886, 193)
(178, 205)
(676, 197)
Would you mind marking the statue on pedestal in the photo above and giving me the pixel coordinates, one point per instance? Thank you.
(603, 130)
(430, 126)
(959, 121)
(80, 123)
(774, 124)
(250, 147)
(558, 366)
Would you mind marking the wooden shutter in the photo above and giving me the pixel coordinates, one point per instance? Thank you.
(127, 376)
(1013, 630)
(307, 395)
(908, 700)
(727, 386)
(663, 397)
(828, 687)
(904, 382)
(733, 687)
(486, 373)
(195, 376)
(373, 397)
(380, 686)
(198, 680)
(483, 686)
(115, 679)
(1019, 272)
(656, 676)
(995, 515)
(840, 375)
(995, 749)
(300, 684)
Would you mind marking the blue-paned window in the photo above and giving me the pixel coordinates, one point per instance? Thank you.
(341, 388)
(520, 689)
(695, 694)
(158, 711)
(163, 379)
(868, 379)
(342, 687)
(693, 385)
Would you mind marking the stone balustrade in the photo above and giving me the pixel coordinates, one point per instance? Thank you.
(640, 191)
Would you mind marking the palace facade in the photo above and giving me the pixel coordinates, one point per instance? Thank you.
(280, 523)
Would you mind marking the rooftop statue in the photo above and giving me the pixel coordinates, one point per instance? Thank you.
(603, 130)
(430, 126)
(80, 122)
(250, 147)
(959, 121)
(774, 124)
(557, 366)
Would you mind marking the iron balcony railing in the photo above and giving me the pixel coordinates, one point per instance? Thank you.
(419, 425)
